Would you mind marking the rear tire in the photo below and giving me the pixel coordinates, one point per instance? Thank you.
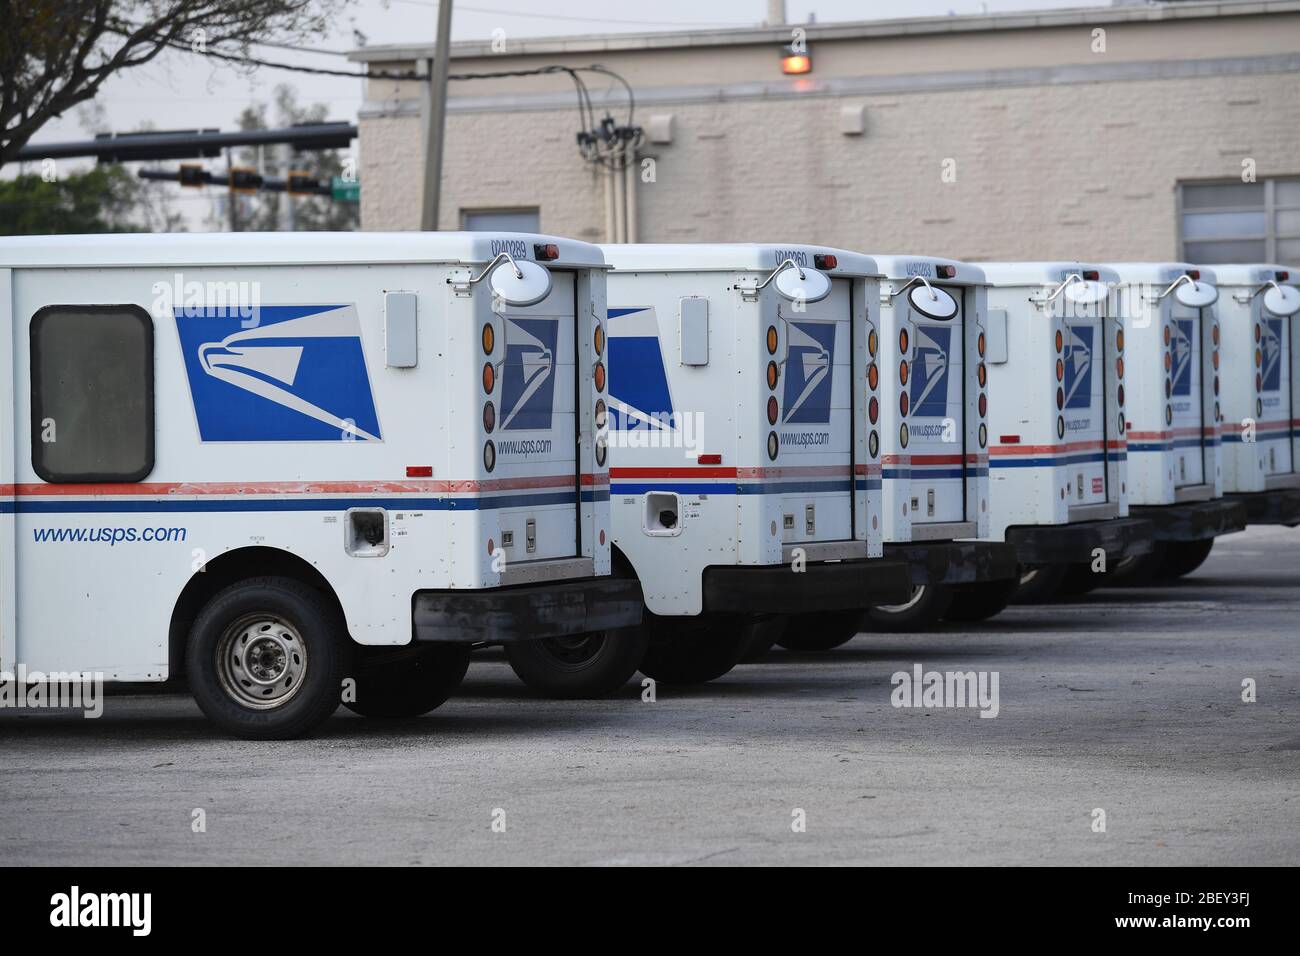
(1037, 583)
(764, 634)
(928, 604)
(823, 631)
(1184, 558)
(1140, 571)
(582, 667)
(409, 681)
(1080, 579)
(972, 603)
(266, 659)
(694, 651)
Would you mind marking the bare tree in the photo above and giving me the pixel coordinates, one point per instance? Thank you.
(55, 54)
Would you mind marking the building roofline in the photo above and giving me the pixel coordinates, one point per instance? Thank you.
(816, 32)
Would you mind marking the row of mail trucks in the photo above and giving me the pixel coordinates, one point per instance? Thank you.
(305, 470)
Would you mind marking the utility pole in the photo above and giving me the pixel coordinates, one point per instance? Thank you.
(435, 117)
(230, 193)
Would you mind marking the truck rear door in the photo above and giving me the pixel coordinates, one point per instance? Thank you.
(1183, 340)
(1082, 397)
(814, 472)
(933, 385)
(536, 433)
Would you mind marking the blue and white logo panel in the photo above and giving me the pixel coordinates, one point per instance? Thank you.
(1078, 367)
(928, 391)
(1183, 348)
(1273, 344)
(639, 396)
(808, 373)
(299, 374)
(528, 374)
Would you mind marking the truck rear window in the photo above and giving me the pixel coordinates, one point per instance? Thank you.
(92, 393)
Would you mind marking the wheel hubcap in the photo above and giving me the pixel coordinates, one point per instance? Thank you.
(918, 592)
(261, 661)
(576, 649)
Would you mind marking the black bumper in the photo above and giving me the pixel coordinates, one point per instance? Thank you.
(956, 562)
(1193, 522)
(1270, 507)
(821, 586)
(1077, 543)
(526, 611)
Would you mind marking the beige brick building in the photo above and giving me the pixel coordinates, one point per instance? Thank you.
(1108, 133)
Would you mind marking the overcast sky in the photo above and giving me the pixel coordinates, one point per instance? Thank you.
(183, 91)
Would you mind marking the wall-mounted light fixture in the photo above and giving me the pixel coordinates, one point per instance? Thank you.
(795, 60)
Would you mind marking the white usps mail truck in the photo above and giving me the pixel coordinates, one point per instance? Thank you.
(1173, 415)
(302, 469)
(1057, 456)
(1259, 329)
(934, 435)
(744, 467)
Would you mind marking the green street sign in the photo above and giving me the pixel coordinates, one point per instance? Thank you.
(345, 190)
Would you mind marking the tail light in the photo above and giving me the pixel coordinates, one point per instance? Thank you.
(873, 376)
(825, 261)
(546, 252)
(599, 376)
(489, 339)
(945, 272)
(1091, 275)
(489, 377)
(773, 410)
(902, 372)
(771, 340)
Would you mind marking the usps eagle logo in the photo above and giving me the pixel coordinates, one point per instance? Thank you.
(292, 373)
(1273, 344)
(1184, 337)
(928, 396)
(639, 396)
(1078, 367)
(808, 370)
(528, 374)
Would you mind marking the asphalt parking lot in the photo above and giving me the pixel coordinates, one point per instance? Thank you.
(1128, 702)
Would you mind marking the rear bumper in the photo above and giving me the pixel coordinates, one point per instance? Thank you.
(1078, 542)
(956, 562)
(821, 586)
(526, 611)
(1270, 507)
(1193, 522)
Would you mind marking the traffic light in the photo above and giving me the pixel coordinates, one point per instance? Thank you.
(244, 179)
(299, 183)
(191, 174)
